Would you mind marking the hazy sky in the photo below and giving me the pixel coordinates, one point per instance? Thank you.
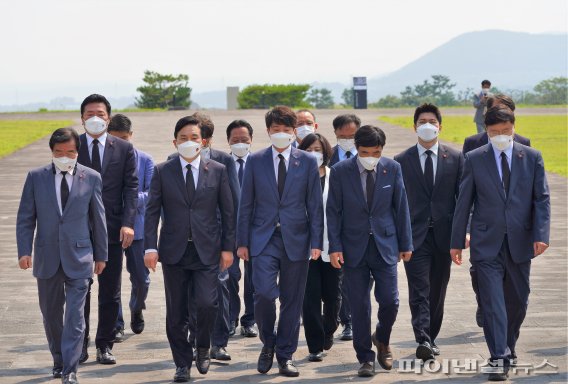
(70, 47)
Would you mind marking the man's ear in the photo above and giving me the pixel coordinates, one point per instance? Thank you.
(174, 142)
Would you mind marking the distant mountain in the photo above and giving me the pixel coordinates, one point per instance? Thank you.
(510, 60)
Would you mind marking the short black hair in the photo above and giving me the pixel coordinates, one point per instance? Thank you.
(501, 99)
(370, 136)
(63, 135)
(427, 107)
(95, 98)
(206, 124)
(342, 120)
(306, 111)
(499, 114)
(187, 120)
(280, 114)
(120, 123)
(238, 124)
(325, 146)
(486, 82)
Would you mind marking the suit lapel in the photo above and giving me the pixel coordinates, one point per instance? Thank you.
(493, 171)
(177, 172)
(293, 165)
(83, 157)
(516, 163)
(50, 187)
(356, 182)
(270, 175)
(203, 174)
(440, 165)
(415, 163)
(109, 150)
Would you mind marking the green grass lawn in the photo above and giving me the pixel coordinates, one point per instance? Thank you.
(548, 134)
(16, 134)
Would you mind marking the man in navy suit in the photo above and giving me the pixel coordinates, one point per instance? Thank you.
(280, 226)
(431, 173)
(115, 160)
(344, 127)
(506, 185)
(474, 142)
(63, 201)
(120, 126)
(305, 124)
(369, 232)
(197, 239)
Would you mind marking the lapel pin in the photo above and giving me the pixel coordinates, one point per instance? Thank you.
(384, 171)
(444, 155)
(296, 163)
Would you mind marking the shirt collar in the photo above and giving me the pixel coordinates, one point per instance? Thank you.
(508, 152)
(101, 139)
(245, 157)
(286, 153)
(58, 171)
(422, 150)
(194, 164)
(343, 153)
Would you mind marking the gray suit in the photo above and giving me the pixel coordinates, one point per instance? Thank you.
(479, 104)
(65, 245)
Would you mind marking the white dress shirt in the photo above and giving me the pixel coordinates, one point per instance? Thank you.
(102, 142)
(194, 169)
(342, 155)
(423, 156)
(58, 178)
(276, 159)
(497, 153)
(245, 158)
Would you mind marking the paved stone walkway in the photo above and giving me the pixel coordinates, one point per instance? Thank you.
(146, 358)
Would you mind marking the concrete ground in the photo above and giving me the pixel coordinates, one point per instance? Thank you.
(146, 358)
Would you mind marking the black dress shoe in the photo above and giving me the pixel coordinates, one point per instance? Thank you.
(220, 353)
(232, 329)
(105, 356)
(70, 378)
(181, 375)
(366, 369)
(85, 351)
(328, 343)
(498, 376)
(318, 356)
(203, 360)
(56, 371)
(435, 349)
(479, 316)
(384, 353)
(118, 335)
(137, 322)
(424, 351)
(347, 333)
(265, 360)
(248, 331)
(287, 368)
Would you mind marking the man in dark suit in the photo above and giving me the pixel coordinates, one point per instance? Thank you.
(431, 173)
(369, 230)
(344, 127)
(506, 185)
(64, 201)
(280, 226)
(195, 244)
(121, 127)
(115, 160)
(474, 142)
(239, 137)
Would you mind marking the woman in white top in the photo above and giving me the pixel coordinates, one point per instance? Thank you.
(324, 281)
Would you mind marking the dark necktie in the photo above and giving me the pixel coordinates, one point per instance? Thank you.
(189, 183)
(240, 173)
(348, 154)
(506, 172)
(281, 175)
(64, 191)
(429, 171)
(370, 186)
(96, 157)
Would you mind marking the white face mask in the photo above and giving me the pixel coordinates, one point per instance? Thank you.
(304, 131)
(369, 162)
(282, 140)
(64, 164)
(502, 142)
(189, 149)
(427, 132)
(346, 144)
(318, 156)
(485, 91)
(95, 125)
(240, 149)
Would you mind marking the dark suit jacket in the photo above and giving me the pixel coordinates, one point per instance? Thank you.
(334, 157)
(349, 219)
(120, 183)
(524, 214)
(145, 170)
(439, 208)
(480, 139)
(168, 194)
(299, 211)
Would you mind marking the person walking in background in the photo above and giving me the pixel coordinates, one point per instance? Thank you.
(63, 201)
(305, 124)
(479, 103)
(120, 126)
